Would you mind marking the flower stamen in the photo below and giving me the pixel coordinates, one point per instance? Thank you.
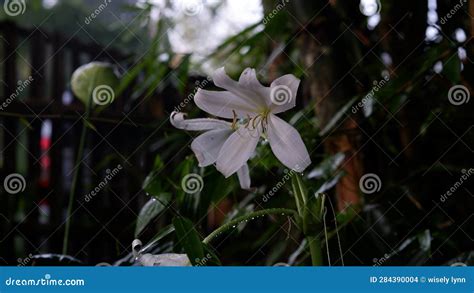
(234, 120)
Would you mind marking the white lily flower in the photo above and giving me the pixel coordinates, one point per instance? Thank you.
(208, 145)
(257, 105)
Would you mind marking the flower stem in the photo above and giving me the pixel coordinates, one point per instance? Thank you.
(75, 177)
(314, 244)
(247, 217)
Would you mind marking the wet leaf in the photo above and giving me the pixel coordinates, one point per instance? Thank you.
(95, 78)
(149, 211)
(189, 239)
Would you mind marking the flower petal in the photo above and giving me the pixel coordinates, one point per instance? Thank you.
(206, 146)
(283, 91)
(244, 176)
(287, 145)
(248, 80)
(178, 121)
(248, 87)
(223, 103)
(164, 260)
(237, 150)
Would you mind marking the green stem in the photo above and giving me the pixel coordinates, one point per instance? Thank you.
(247, 217)
(75, 177)
(314, 244)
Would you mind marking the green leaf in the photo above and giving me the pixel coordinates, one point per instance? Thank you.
(149, 211)
(158, 164)
(25, 122)
(130, 77)
(90, 125)
(337, 117)
(182, 74)
(161, 234)
(452, 69)
(96, 79)
(152, 185)
(189, 239)
(313, 214)
(299, 192)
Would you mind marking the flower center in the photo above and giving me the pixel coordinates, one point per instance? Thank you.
(252, 123)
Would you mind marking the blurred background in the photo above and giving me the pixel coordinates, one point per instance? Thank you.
(383, 107)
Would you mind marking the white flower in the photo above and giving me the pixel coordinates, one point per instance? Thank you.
(164, 260)
(208, 145)
(255, 106)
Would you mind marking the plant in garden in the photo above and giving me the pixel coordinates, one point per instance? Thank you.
(94, 84)
(252, 107)
(207, 146)
(229, 145)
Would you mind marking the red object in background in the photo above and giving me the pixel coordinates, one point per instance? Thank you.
(45, 160)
